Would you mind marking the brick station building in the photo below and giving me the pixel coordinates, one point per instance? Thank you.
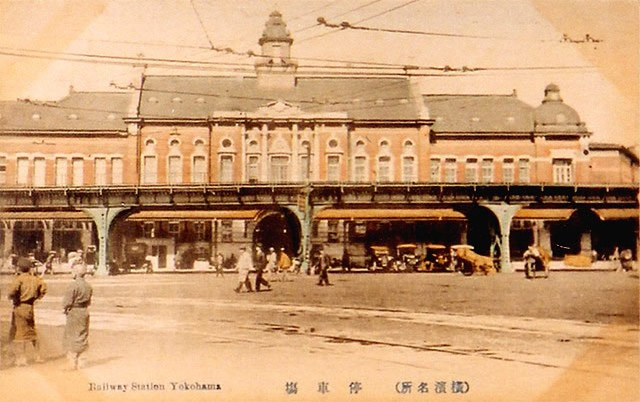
(277, 127)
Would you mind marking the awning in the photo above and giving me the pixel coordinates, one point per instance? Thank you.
(544, 213)
(386, 214)
(40, 215)
(175, 215)
(617, 213)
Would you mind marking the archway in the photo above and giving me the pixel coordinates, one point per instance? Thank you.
(483, 230)
(279, 228)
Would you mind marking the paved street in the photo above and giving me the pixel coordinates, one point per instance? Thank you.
(573, 336)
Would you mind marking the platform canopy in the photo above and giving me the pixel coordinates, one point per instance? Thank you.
(558, 214)
(40, 215)
(617, 213)
(389, 214)
(194, 214)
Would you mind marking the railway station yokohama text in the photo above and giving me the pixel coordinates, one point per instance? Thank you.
(153, 386)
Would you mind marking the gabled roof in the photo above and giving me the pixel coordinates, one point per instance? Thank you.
(605, 146)
(479, 114)
(199, 97)
(79, 111)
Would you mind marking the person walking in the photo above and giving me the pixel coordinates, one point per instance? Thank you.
(219, 265)
(76, 301)
(272, 260)
(23, 292)
(284, 263)
(244, 265)
(324, 262)
(260, 264)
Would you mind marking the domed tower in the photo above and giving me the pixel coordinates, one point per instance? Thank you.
(553, 116)
(275, 67)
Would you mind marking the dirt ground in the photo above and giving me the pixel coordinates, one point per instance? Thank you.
(571, 337)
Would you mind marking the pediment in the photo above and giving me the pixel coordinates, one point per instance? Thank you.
(279, 108)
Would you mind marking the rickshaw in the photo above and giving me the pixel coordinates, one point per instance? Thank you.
(437, 258)
(380, 258)
(536, 259)
(407, 259)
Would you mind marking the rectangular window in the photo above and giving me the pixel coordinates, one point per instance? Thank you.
(507, 170)
(562, 171)
(434, 170)
(3, 169)
(226, 168)
(173, 229)
(305, 168)
(487, 170)
(384, 169)
(199, 170)
(408, 169)
(23, 171)
(116, 171)
(471, 170)
(39, 172)
(360, 169)
(333, 168)
(61, 172)
(253, 168)
(279, 169)
(77, 166)
(523, 170)
(450, 171)
(332, 231)
(175, 169)
(200, 229)
(100, 172)
(149, 230)
(226, 230)
(150, 172)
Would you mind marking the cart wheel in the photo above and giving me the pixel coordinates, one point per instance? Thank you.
(467, 269)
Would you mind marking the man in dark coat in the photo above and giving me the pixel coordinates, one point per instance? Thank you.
(23, 292)
(77, 299)
(324, 262)
(260, 264)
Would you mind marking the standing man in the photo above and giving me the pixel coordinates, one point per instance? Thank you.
(219, 265)
(284, 263)
(77, 299)
(272, 259)
(24, 291)
(244, 266)
(323, 264)
(261, 262)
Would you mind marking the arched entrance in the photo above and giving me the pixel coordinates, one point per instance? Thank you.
(483, 231)
(278, 228)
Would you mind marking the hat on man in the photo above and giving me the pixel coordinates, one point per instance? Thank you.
(271, 249)
(24, 264)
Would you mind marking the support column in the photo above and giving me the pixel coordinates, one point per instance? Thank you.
(8, 238)
(86, 237)
(48, 235)
(544, 236)
(504, 213)
(103, 218)
(304, 212)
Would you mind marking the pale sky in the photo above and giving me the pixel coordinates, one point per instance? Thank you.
(520, 34)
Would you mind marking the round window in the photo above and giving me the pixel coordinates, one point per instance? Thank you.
(226, 143)
(333, 144)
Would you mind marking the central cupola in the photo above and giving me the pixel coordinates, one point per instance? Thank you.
(274, 66)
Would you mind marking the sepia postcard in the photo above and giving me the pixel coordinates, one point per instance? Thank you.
(319, 200)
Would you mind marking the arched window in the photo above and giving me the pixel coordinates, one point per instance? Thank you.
(199, 162)
(149, 163)
(174, 162)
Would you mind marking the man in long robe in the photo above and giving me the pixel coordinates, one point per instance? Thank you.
(244, 265)
(77, 299)
(261, 263)
(23, 292)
